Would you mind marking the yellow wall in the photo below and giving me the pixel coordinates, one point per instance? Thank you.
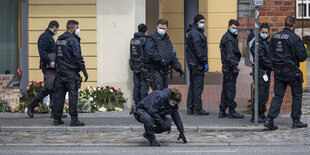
(217, 13)
(41, 12)
(303, 68)
(173, 11)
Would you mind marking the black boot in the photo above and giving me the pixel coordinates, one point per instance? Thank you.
(260, 119)
(75, 122)
(190, 111)
(58, 122)
(222, 114)
(298, 124)
(151, 139)
(234, 114)
(200, 112)
(269, 124)
(30, 111)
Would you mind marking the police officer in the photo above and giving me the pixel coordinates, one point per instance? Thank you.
(69, 63)
(162, 55)
(47, 52)
(286, 52)
(264, 69)
(230, 56)
(153, 110)
(197, 60)
(138, 62)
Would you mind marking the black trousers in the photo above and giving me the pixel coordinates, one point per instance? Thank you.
(141, 87)
(263, 91)
(229, 91)
(160, 80)
(49, 78)
(150, 125)
(66, 81)
(195, 90)
(280, 86)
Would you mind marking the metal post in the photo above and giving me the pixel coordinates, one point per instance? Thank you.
(256, 67)
(190, 10)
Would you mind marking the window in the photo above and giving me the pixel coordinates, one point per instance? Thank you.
(303, 9)
(244, 9)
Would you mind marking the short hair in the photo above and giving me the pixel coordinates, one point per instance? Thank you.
(289, 21)
(53, 24)
(233, 22)
(142, 28)
(162, 22)
(264, 26)
(175, 95)
(71, 23)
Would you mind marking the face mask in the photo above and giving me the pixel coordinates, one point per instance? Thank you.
(55, 33)
(171, 104)
(201, 26)
(233, 31)
(77, 32)
(161, 32)
(264, 36)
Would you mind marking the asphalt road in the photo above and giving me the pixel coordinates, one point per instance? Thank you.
(231, 150)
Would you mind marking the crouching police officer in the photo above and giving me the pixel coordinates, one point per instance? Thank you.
(286, 52)
(162, 55)
(230, 57)
(137, 63)
(153, 110)
(197, 60)
(264, 69)
(69, 63)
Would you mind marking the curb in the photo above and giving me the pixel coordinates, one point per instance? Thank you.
(147, 144)
(125, 128)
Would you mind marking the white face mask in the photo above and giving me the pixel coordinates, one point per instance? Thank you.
(77, 32)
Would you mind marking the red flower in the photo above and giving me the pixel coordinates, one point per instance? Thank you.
(115, 91)
(107, 87)
(113, 88)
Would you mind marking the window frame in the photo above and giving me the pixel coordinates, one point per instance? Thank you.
(307, 3)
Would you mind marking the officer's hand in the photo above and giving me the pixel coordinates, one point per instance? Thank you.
(181, 73)
(52, 64)
(206, 68)
(85, 75)
(182, 136)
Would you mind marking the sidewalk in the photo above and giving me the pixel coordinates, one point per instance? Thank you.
(122, 121)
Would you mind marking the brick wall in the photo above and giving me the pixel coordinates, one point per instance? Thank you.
(274, 13)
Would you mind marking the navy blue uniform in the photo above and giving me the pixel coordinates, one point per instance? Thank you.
(286, 52)
(197, 58)
(264, 67)
(137, 62)
(162, 55)
(69, 63)
(153, 110)
(46, 47)
(230, 57)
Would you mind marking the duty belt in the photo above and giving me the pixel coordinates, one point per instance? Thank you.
(67, 69)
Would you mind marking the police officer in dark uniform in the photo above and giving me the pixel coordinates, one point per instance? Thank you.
(264, 70)
(286, 53)
(138, 64)
(47, 52)
(162, 55)
(230, 56)
(69, 63)
(153, 111)
(197, 60)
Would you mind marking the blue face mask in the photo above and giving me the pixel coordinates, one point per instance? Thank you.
(161, 32)
(201, 26)
(171, 104)
(233, 31)
(264, 36)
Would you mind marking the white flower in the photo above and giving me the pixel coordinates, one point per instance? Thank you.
(91, 99)
(102, 109)
(122, 91)
(118, 109)
(111, 90)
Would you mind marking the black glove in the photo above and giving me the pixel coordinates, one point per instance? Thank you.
(85, 75)
(182, 136)
(164, 62)
(181, 72)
